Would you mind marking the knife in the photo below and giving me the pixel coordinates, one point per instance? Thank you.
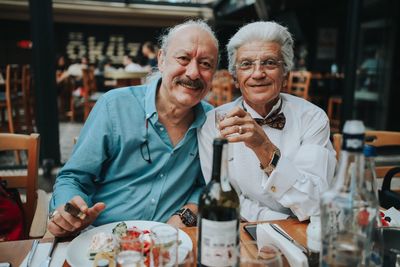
(288, 237)
(46, 262)
(32, 252)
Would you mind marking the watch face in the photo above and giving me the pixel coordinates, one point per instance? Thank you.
(189, 218)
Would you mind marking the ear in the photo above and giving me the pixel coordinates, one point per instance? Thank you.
(160, 60)
(236, 83)
(285, 84)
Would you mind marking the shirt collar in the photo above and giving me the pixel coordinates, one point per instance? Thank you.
(254, 114)
(151, 110)
(150, 99)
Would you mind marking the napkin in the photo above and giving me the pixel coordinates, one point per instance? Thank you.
(43, 250)
(267, 235)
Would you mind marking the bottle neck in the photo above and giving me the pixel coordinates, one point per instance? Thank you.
(217, 163)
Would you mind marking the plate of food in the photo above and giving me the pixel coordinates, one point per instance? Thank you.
(80, 250)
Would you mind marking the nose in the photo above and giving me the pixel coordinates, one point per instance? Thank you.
(258, 71)
(192, 70)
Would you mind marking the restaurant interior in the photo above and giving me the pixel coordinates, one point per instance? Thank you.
(346, 62)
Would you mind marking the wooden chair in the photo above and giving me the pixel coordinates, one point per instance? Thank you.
(23, 179)
(28, 98)
(382, 140)
(89, 94)
(334, 108)
(299, 84)
(223, 87)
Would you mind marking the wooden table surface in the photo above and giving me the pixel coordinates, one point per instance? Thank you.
(15, 251)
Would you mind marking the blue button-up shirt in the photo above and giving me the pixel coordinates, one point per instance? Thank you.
(107, 163)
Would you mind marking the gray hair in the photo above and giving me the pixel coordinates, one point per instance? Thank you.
(266, 31)
(165, 39)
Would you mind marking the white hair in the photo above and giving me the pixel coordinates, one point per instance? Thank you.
(266, 31)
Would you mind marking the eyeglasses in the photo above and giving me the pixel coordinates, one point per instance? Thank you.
(144, 146)
(268, 64)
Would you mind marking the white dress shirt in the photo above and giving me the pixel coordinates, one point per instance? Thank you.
(304, 171)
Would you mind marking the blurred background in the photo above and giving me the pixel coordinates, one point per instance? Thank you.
(76, 50)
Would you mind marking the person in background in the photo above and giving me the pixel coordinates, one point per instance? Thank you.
(103, 66)
(149, 50)
(281, 158)
(75, 69)
(131, 64)
(137, 156)
(61, 69)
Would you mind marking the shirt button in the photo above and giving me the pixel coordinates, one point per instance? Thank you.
(153, 201)
(161, 128)
(273, 188)
(161, 175)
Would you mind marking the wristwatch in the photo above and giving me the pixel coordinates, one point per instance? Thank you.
(276, 155)
(187, 216)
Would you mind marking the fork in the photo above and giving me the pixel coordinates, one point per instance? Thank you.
(32, 252)
(46, 262)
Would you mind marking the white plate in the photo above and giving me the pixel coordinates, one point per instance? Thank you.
(77, 251)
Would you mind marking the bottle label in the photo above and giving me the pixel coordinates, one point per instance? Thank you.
(219, 243)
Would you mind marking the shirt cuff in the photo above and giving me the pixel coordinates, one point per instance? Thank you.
(282, 178)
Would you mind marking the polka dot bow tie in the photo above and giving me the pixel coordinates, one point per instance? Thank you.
(276, 120)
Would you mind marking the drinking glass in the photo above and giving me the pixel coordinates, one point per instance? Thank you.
(220, 115)
(254, 256)
(164, 251)
(185, 257)
(131, 247)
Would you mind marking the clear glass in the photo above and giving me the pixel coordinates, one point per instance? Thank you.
(252, 255)
(131, 249)
(220, 115)
(164, 251)
(348, 215)
(129, 258)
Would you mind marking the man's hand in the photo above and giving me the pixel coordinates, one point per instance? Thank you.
(64, 224)
(239, 126)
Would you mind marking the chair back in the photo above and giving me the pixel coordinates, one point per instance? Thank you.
(299, 83)
(222, 88)
(25, 180)
(27, 98)
(13, 94)
(385, 143)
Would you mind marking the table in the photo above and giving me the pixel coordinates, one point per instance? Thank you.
(15, 251)
(124, 78)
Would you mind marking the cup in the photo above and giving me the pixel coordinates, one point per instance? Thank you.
(164, 251)
(220, 115)
(185, 257)
(252, 255)
(131, 247)
(129, 258)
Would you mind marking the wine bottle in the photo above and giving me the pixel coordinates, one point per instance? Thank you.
(219, 213)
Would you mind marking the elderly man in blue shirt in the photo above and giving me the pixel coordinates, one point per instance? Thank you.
(137, 155)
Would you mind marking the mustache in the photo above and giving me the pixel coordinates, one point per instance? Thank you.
(195, 84)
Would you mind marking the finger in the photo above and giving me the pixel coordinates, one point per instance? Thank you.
(78, 201)
(64, 220)
(56, 230)
(236, 111)
(94, 211)
(235, 130)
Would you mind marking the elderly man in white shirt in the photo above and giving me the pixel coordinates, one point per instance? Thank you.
(280, 155)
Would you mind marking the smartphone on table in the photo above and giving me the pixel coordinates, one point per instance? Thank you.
(251, 229)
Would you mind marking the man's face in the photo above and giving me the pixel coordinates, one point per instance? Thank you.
(261, 83)
(188, 66)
